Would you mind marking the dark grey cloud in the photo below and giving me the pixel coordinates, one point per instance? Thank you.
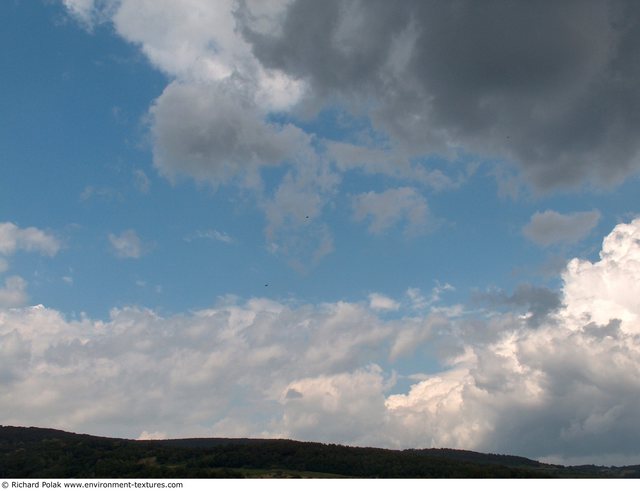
(551, 227)
(552, 86)
(293, 394)
(537, 300)
(215, 132)
(337, 46)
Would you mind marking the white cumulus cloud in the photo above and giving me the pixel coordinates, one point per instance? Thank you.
(609, 288)
(377, 301)
(32, 239)
(566, 388)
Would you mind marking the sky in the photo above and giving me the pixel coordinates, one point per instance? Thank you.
(400, 224)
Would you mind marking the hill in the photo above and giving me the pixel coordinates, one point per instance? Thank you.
(48, 453)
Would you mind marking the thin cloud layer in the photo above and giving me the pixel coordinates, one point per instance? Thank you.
(567, 388)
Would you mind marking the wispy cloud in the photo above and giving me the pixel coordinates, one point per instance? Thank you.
(128, 245)
(14, 292)
(103, 193)
(141, 181)
(388, 208)
(211, 234)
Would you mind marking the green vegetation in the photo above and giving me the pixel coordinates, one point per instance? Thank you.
(46, 453)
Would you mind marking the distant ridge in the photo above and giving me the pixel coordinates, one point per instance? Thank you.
(50, 453)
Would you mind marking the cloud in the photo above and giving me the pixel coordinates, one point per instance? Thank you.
(141, 181)
(294, 228)
(81, 9)
(538, 301)
(390, 207)
(12, 240)
(552, 88)
(127, 245)
(31, 239)
(214, 122)
(387, 162)
(378, 301)
(106, 194)
(347, 406)
(89, 13)
(210, 123)
(14, 292)
(607, 289)
(550, 227)
(182, 374)
(211, 235)
(418, 301)
(198, 42)
(552, 390)
(215, 132)
(568, 388)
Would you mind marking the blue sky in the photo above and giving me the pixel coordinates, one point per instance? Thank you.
(411, 201)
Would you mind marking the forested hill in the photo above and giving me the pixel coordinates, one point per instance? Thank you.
(37, 452)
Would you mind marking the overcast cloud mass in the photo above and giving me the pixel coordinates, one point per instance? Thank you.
(327, 221)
